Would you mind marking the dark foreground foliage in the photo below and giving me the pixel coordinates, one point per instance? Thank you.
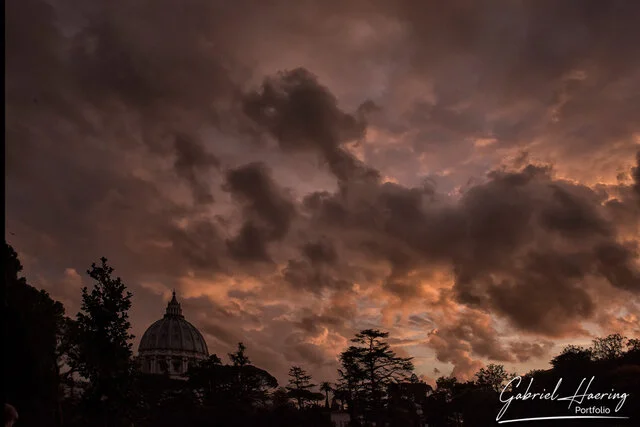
(76, 372)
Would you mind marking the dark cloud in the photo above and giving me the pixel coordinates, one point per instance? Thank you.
(200, 244)
(567, 80)
(513, 241)
(635, 173)
(314, 323)
(615, 261)
(454, 351)
(252, 185)
(122, 73)
(302, 274)
(121, 57)
(267, 210)
(336, 317)
(303, 115)
(93, 209)
(220, 333)
(546, 38)
(115, 108)
(250, 244)
(473, 333)
(524, 351)
(320, 252)
(519, 296)
(297, 350)
(190, 160)
(568, 213)
(574, 233)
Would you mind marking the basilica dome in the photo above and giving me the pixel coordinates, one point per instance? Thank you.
(171, 344)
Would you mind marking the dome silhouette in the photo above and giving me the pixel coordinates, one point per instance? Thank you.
(171, 344)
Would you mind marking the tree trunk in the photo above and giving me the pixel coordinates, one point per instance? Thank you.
(59, 419)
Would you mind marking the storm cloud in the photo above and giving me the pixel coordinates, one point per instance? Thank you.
(309, 169)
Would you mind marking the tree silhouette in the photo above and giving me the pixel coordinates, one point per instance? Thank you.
(257, 383)
(326, 387)
(101, 332)
(493, 376)
(67, 350)
(351, 387)
(239, 361)
(280, 398)
(371, 366)
(45, 349)
(209, 378)
(440, 408)
(341, 395)
(632, 354)
(572, 358)
(239, 358)
(609, 347)
(299, 385)
(32, 327)
(246, 384)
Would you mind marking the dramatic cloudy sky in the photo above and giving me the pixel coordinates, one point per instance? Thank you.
(463, 174)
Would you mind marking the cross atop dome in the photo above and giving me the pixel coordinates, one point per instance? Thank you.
(173, 308)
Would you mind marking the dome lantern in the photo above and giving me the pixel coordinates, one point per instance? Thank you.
(173, 307)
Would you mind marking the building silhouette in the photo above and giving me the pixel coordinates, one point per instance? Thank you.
(171, 345)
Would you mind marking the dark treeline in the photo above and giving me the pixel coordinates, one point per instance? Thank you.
(80, 371)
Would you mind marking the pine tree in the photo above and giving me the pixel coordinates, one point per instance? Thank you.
(103, 341)
(249, 386)
(369, 367)
(239, 358)
(299, 385)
